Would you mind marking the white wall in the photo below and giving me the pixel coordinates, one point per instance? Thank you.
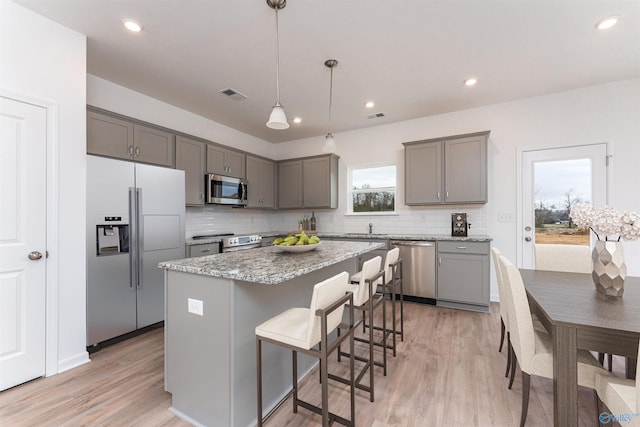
(46, 63)
(605, 113)
(107, 95)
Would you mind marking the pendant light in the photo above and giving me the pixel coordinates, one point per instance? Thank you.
(329, 143)
(277, 119)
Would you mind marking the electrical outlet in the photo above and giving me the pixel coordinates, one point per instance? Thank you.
(195, 306)
(505, 217)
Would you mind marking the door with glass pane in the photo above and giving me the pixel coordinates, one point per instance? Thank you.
(554, 180)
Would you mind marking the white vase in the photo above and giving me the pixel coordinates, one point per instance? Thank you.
(609, 269)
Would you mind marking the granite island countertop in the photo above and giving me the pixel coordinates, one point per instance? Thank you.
(361, 236)
(269, 265)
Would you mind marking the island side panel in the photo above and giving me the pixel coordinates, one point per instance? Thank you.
(197, 348)
(255, 303)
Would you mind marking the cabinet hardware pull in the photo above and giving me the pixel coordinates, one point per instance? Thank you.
(440, 261)
(137, 151)
(205, 250)
(438, 195)
(131, 150)
(462, 247)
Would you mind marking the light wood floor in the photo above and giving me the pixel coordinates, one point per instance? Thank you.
(448, 372)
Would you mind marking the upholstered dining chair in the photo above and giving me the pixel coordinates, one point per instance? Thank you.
(569, 258)
(533, 349)
(504, 321)
(622, 396)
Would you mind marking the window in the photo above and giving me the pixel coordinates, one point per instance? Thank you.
(372, 189)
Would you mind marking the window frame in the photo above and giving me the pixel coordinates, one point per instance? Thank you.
(351, 191)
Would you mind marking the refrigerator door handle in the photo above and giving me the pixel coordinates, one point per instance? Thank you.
(140, 236)
(132, 239)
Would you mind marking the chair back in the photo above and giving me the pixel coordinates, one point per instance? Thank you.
(520, 321)
(389, 260)
(324, 294)
(369, 269)
(496, 253)
(569, 258)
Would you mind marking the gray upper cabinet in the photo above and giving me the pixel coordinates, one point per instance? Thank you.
(308, 183)
(114, 137)
(190, 157)
(447, 170)
(289, 184)
(226, 162)
(423, 168)
(261, 175)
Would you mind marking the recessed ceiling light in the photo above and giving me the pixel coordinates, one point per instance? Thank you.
(470, 82)
(297, 120)
(132, 25)
(607, 23)
(369, 104)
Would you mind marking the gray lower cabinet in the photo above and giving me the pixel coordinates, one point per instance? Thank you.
(119, 138)
(308, 183)
(463, 275)
(450, 170)
(190, 157)
(261, 177)
(226, 162)
(202, 250)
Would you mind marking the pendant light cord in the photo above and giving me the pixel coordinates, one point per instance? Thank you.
(277, 60)
(330, 100)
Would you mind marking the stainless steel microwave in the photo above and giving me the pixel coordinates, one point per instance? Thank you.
(226, 190)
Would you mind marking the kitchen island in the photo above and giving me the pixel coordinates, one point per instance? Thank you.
(213, 305)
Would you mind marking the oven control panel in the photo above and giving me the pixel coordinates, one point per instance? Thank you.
(241, 240)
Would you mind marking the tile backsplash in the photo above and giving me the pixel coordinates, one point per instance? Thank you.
(214, 219)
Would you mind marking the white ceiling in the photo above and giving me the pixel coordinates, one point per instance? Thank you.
(409, 56)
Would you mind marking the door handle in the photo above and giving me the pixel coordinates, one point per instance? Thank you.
(527, 239)
(35, 255)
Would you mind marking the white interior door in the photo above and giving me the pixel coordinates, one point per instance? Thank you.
(22, 241)
(580, 171)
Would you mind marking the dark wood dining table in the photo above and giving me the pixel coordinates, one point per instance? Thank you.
(579, 317)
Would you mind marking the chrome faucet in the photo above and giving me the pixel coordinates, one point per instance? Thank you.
(370, 227)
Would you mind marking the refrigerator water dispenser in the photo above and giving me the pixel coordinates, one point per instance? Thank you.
(112, 239)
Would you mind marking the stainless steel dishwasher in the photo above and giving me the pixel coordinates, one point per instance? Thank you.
(418, 270)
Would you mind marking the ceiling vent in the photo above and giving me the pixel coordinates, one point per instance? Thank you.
(233, 94)
(375, 116)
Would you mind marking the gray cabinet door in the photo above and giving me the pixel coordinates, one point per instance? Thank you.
(261, 182)
(423, 173)
(108, 136)
(316, 178)
(290, 184)
(153, 146)
(463, 275)
(190, 157)
(465, 170)
(225, 162)
(113, 137)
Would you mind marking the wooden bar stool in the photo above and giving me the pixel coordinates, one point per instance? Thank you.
(301, 329)
(365, 299)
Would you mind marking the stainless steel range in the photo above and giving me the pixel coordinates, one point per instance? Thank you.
(241, 243)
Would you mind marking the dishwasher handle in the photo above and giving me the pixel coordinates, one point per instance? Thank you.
(411, 243)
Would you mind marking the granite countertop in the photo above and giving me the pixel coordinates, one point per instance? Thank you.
(337, 235)
(269, 265)
(408, 237)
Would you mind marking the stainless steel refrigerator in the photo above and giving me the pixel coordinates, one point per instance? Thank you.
(135, 219)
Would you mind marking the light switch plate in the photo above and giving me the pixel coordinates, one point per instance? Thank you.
(195, 306)
(505, 217)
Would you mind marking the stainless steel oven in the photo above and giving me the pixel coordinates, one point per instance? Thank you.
(241, 243)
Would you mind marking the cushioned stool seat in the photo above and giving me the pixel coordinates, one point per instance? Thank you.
(301, 329)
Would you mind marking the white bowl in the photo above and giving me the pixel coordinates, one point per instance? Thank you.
(300, 248)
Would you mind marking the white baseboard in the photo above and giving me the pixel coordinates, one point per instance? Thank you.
(73, 362)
